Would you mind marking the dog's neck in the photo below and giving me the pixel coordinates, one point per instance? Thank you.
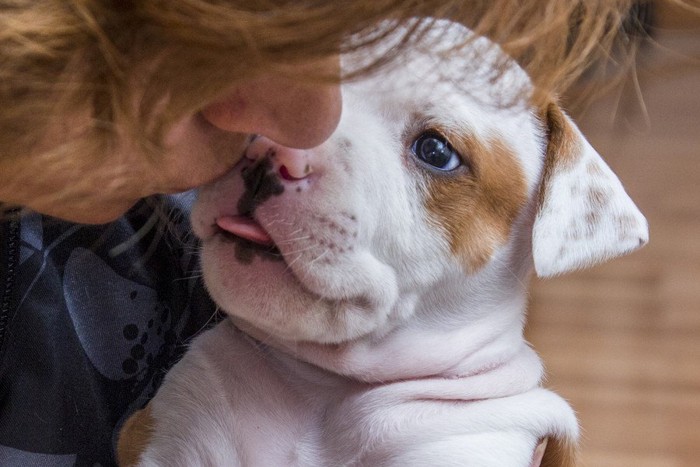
(467, 336)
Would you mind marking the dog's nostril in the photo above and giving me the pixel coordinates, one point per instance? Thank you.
(295, 172)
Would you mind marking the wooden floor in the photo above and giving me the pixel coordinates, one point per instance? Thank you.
(622, 341)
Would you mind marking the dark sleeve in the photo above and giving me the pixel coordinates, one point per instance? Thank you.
(95, 316)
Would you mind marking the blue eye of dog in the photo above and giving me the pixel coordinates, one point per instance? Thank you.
(434, 149)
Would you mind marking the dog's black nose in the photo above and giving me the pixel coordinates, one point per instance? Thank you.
(260, 183)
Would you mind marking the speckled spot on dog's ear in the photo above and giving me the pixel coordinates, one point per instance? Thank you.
(562, 253)
(574, 230)
(573, 235)
(597, 198)
(594, 169)
(575, 190)
(625, 225)
(592, 220)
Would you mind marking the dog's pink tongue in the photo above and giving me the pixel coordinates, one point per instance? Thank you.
(244, 227)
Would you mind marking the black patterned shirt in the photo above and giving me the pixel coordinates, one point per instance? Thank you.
(91, 317)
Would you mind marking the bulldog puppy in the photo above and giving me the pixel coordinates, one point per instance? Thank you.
(375, 286)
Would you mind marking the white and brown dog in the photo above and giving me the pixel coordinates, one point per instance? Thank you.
(375, 285)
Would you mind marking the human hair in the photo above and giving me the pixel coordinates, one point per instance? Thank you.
(116, 61)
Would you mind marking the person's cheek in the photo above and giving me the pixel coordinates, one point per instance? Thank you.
(196, 153)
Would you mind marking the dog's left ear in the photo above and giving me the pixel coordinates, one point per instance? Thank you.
(584, 216)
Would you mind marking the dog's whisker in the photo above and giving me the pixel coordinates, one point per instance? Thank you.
(189, 277)
(319, 257)
(290, 263)
(301, 250)
(293, 240)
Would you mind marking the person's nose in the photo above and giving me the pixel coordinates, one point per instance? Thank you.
(291, 164)
(293, 113)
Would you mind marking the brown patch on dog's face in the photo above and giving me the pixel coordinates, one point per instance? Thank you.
(476, 205)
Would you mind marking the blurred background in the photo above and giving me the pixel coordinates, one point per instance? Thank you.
(621, 341)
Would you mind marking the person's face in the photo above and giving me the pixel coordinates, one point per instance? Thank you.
(199, 148)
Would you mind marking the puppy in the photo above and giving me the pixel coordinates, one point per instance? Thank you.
(375, 286)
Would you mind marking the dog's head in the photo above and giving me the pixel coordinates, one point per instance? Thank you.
(430, 201)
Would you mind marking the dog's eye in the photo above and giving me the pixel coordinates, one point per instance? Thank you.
(434, 149)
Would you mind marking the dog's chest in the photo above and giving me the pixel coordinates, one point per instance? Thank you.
(249, 405)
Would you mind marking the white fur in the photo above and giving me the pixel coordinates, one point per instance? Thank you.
(379, 350)
(570, 232)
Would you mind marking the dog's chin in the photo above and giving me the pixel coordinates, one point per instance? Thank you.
(254, 283)
(248, 252)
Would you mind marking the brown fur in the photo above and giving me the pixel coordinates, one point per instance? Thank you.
(560, 453)
(563, 147)
(477, 206)
(66, 57)
(134, 437)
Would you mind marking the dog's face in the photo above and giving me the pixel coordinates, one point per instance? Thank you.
(430, 193)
